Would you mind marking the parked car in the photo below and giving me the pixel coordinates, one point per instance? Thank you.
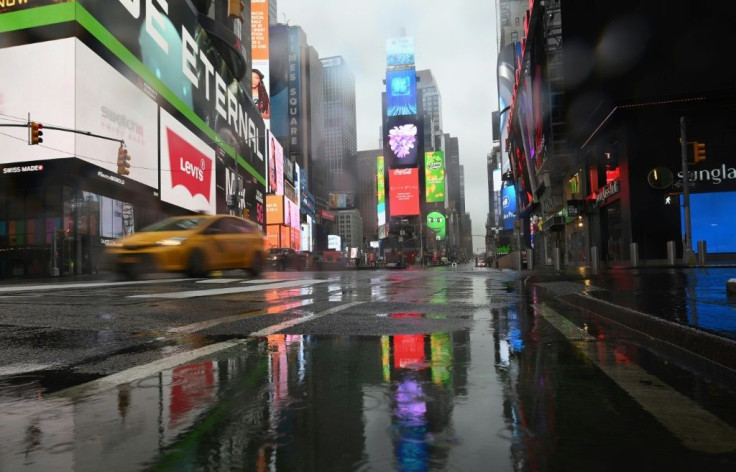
(195, 244)
(282, 258)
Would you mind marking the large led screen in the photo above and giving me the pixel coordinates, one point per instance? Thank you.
(274, 209)
(187, 167)
(711, 220)
(402, 141)
(275, 166)
(380, 191)
(401, 92)
(400, 52)
(438, 224)
(260, 52)
(403, 193)
(434, 175)
(508, 205)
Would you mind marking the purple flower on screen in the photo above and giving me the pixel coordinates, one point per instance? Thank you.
(402, 139)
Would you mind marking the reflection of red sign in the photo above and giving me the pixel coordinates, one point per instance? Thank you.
(189, 166)
(403, 191)
(192, 388)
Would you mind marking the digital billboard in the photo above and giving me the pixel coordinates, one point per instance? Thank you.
(341, 200)
(402, 141)
(275, 166)
(712, 220)
(260, 53)
(399, 53)
(380, 191)
(401, 92)
(187, 167)
(508, 205)
(403, 193)
(434, 175)
(274, 209)
(436, 222)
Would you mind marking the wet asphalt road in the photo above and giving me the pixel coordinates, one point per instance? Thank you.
(356, 370)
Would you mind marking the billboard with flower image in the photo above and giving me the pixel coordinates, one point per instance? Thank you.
(403, 141)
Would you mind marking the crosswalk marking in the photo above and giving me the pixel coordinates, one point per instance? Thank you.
(229, 290)
(697, 428)
(33, 288)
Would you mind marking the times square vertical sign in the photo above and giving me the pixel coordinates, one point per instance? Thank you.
(294, 87)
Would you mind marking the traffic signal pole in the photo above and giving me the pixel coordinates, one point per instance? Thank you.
(687, 245)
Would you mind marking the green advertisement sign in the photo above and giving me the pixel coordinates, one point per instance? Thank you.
(436, 222)
(434, 175)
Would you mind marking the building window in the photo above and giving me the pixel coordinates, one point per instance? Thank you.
(517, 21)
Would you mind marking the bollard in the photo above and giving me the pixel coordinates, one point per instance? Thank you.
(518, 259)
(594, 259)
(671, 253)
(731, 288)
(529, 262)
(558, 259)
(701, 252)
(634, 250)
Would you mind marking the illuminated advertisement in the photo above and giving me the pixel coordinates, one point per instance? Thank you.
(436, 222)
(260, 52)
(402, 141)
(274, 209)
(400, 53)
(182, 66)
(291, 213)
(401, 92)
(273, 236)
(434, 175)
(294, 86)
(334, 242)
(381, 191)
(508, 206)
(275, 166)
(403, 192)
(506, 63)
(187, 167)
(712, 220)
(341, 200)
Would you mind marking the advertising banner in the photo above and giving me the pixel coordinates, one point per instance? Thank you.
(381, 190)
(260, 51)
(188, 167)
(436, 222)
(342, 200)
(401, 92)
(47, 97)
(434, 175)
(179, 64)
(274, 209)
(273, 236)
(275, 166)
(508, 205)
(399, 53)
(110, 105)
(403, 192)
(402, 141)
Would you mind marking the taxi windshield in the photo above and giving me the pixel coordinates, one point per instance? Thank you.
(174, 224)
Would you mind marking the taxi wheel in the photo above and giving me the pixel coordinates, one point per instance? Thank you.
(196, 264)
(256, 265)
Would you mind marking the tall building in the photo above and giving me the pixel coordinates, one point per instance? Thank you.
(366, 191)
(432, 105)
(349, 226)
(340, 129)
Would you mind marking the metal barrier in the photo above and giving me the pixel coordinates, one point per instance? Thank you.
(558, 259)
(530, 259)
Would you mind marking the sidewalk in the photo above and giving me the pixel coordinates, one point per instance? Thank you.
(687, 307)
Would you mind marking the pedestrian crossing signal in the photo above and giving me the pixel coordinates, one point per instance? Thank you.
(36, 133)
(123, 161)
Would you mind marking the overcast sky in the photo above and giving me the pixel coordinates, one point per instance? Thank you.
(455, 39)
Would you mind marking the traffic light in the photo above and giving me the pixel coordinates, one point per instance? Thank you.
(698, 151)
(36, 133)
(123, 161)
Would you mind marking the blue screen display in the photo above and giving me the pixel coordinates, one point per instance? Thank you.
(508, 203)
(401, 92)
(711, 220)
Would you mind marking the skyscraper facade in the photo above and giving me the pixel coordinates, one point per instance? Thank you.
(340, 130)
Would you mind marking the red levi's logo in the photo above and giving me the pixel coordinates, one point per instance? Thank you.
(189, 167)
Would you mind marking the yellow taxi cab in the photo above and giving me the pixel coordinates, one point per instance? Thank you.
(194, 244)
